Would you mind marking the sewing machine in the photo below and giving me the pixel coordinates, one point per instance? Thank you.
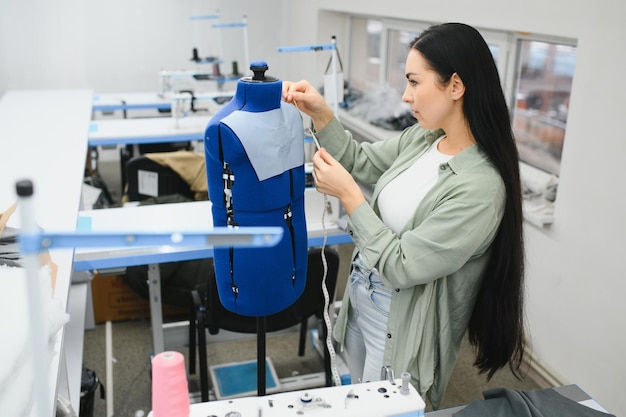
(387, 398)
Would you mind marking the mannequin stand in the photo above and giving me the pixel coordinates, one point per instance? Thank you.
(260, 353)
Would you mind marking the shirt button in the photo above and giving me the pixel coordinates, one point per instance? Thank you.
(388, 335)
(442, 167)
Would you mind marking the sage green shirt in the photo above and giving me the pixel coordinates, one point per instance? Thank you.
(436, 263)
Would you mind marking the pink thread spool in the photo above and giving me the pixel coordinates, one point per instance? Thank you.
(170, 393)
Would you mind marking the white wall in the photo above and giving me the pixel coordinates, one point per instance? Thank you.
(576, 280)
(120, 45)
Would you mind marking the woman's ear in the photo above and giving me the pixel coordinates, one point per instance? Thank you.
(457, 86)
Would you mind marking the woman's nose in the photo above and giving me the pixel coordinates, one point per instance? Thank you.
(406, 98)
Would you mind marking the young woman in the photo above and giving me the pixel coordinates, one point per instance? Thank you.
(439, 250)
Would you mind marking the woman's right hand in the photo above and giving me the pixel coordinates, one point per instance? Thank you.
(308, 100)
(332, 178)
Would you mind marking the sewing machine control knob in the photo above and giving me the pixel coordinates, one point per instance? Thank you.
(24, 188)
(306, 398)
(406, 379)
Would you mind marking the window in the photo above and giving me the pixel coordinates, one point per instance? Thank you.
(387, 41)
(543, 85)
(378, 49)
(398, 47)
(536, 74)
(365, 55)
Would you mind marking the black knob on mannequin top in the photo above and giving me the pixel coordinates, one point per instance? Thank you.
(258, 69)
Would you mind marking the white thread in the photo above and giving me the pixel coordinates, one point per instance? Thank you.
(317, 143)
(329, 342)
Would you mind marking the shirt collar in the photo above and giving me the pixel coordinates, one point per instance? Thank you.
(465, 159)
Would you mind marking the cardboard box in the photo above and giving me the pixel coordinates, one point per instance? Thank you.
(114, 300)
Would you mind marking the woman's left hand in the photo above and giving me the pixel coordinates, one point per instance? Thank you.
(333, 179)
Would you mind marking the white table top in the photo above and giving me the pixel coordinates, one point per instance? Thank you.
(147, 100)
(147, 130)
(130, 101)
(182, 217)
(43, 140)
(50, 152)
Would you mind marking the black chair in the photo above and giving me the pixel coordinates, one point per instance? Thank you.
(210, 314)
(168, 182)
(178, 278)
(128, 152)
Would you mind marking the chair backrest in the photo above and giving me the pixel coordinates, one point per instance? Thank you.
(147, 179)
(310, 303)
(164, 147)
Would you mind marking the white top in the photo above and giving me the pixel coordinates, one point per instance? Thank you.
(399, 199)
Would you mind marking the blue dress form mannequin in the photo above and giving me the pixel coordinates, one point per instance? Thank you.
(254, 150)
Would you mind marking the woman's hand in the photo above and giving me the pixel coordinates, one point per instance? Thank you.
(332, 178)
(308, 100)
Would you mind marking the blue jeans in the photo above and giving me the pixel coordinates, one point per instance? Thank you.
(366, 331)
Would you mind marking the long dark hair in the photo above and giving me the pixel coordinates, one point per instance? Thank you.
(496, 328)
